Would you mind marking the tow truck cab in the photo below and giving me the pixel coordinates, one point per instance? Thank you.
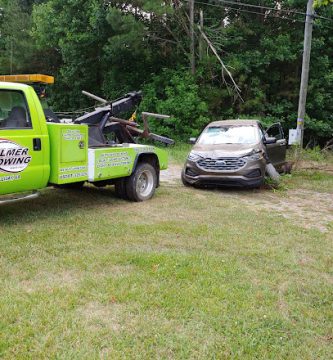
(24, 140)
(35, 153)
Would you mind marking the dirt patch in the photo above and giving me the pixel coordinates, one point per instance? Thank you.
(96, 316)
(282, 303)
(328, 278)
(312, 165)
(48, 281)
(116, 271)
(307, 208)
(130, 319)
(117, 317)
(305, 260)
(172, 174)
(69, 279)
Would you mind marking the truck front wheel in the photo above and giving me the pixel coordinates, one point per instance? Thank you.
(141, 185)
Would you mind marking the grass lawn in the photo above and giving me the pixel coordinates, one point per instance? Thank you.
(191, 274)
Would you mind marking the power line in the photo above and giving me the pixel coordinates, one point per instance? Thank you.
(249, 12)
(260, 7)
(266, 15)
(321, 17)
(290, 11)
(257, 13)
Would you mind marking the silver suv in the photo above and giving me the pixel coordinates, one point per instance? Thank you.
(234, 153)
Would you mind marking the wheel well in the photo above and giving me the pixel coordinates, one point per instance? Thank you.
(151, 159)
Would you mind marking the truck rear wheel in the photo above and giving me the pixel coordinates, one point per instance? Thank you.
(141, 185)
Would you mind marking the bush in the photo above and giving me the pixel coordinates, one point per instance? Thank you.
(175, 93)
(314, 154)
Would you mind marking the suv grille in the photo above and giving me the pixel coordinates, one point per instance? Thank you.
(221, 164)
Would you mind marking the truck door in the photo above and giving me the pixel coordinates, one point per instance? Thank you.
(22, 163)
(277, 151)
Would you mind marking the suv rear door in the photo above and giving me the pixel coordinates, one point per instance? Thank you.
(277, 151)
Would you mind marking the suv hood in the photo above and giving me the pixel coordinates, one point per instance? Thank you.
(224, 150)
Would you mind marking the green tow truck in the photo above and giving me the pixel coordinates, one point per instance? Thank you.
(39, 150)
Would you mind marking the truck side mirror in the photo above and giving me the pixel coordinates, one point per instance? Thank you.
(192, 140)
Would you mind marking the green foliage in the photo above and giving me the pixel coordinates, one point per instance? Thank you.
(124, 48)
(112, 47)
(314, 154)
(178, 152)
(16, 47)
(320, 127)
(175, 93)
(319, 3)
(77, 29)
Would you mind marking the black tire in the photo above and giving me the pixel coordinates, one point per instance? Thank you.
(185, 183)
(120, 189)
(141, 185)
(258, 185)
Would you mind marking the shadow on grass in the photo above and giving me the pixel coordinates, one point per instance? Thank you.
(56, 203)
(236, 189)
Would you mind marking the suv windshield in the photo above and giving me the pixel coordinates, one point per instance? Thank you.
(229, 134)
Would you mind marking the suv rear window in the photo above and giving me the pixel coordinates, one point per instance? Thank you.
(14, 112)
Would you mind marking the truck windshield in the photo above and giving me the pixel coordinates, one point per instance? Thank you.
(229, 134)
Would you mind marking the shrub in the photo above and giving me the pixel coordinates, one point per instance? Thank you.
(175, 93)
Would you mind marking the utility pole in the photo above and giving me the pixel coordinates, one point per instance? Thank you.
(305, 71)
(191, 4)
(201, 30)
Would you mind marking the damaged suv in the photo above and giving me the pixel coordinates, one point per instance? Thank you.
(234, 153)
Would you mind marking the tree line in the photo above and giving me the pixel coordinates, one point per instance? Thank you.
(111, 47)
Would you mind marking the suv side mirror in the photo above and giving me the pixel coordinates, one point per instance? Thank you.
(192, 140)
(269, 140)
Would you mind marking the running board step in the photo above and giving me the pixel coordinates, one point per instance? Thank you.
(19, 197)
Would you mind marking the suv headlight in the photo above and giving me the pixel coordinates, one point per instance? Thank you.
(192, 156)
(253, 157)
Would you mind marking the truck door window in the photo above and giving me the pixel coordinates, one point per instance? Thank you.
(14, 113)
